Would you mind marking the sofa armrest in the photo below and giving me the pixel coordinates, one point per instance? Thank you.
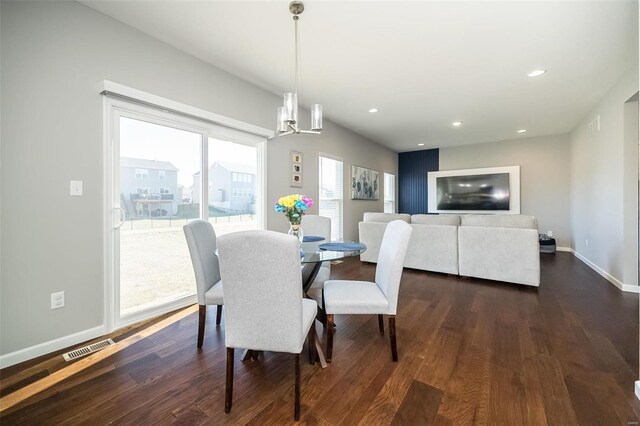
(501, 254)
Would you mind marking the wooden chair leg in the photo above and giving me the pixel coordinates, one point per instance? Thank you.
(392, 337)
(329, 336)
(228, 394)
(219, 315)
(202, 317)
(296, 408)
(381, 324)
(312, 344)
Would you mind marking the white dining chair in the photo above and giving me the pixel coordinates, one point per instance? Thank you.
(319, 226)
(381, 297)
(264, 307)
(201, 240)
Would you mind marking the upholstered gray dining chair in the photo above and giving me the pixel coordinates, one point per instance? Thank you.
(319, 226)
(381, 297)
(264, 307)
(201, 240)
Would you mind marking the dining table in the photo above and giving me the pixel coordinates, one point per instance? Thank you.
(314, 251)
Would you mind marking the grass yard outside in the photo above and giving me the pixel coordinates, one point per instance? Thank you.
(155, 265)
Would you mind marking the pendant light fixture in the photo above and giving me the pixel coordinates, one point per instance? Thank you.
(288, 113)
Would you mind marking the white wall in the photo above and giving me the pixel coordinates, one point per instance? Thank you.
(598, 181)
(54, 57)
(545, 184)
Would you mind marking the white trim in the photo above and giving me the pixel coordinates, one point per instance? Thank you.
(637, 387)
(629, 288)
(155, 311)
(115, 89)
(514, 189)
(567, 249)
(51, 346)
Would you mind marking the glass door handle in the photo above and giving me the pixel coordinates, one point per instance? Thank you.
(120, 221)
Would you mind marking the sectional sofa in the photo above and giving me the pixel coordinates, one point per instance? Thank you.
(495, 247)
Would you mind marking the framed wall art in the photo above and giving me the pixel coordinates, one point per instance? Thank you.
(295, 169)
(365, 183)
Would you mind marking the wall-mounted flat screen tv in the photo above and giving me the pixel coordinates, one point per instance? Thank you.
(473, 192)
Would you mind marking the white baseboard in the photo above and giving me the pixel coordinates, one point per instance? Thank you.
(638, 389)
(613, 280)
(568, 249)
(51, 346)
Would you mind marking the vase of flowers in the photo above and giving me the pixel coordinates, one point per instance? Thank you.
(294, 207)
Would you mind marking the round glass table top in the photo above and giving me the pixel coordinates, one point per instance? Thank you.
(313, 254)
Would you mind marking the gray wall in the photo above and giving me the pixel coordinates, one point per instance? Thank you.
(54, 57)
(545, 184)
(598, 205)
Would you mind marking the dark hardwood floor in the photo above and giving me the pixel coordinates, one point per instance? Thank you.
(471, 351)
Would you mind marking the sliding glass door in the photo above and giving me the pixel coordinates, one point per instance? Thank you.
(166, 170)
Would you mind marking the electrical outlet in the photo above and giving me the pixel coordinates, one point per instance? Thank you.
(57, 300)
(550, 233)
(586, 242)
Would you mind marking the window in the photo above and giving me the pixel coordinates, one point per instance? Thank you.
(330, 203)
(142, 174)
(164, 190)
(161, 175)
(234, 177)
(142, 190)
(389, 193)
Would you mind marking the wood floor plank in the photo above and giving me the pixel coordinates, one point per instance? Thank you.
(466, 397)
(386, 404)
(419, 406)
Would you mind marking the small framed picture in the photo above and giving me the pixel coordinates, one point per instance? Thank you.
(295, 169)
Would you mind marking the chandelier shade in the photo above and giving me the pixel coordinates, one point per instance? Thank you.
(288, 113)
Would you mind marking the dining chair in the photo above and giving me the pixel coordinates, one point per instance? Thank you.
(320, 226)
(201, 240)
(381, 297)
(264, 307)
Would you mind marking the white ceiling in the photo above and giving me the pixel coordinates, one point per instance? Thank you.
(423, 64)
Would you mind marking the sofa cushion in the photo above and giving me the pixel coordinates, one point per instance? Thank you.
(500, 221)
(385, 217)
(436, 219)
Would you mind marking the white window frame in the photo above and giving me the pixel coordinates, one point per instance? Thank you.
(162, 175)
(121, 101)
(337, 230)
(165, 189)
(389, 200)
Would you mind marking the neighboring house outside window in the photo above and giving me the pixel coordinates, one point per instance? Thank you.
(148, 187)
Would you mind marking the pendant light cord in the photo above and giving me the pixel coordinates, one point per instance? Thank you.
(295, 20)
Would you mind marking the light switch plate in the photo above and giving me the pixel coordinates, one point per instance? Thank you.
(76, 188)
(57, 300)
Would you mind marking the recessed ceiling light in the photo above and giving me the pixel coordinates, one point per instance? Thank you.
(457, 123)
(536, 73)
(373, 110)
(420, 144)
(522, 130)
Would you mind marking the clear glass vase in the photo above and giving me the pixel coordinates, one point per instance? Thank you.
(295, 229)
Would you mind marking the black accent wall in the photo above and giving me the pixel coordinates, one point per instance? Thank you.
(412, 179)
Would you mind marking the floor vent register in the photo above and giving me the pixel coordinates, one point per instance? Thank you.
(86, 350)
